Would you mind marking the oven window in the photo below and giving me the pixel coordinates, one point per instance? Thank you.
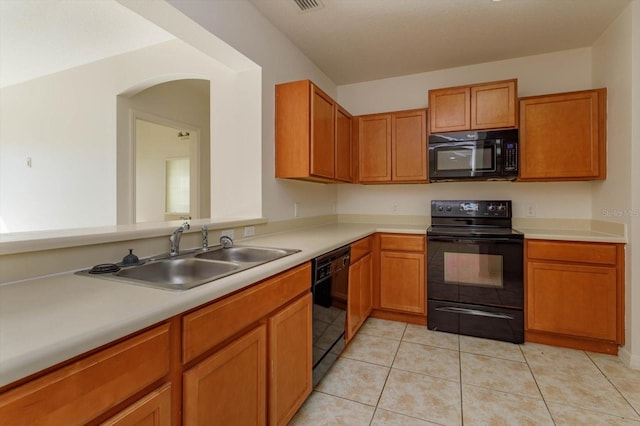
(465, 158)
(473, 269)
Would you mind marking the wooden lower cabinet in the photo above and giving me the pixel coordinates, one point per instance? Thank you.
(152, 410)
(360, 295)
(230, 386)
(402, 275)
(245, 359)
(84, 390)
(575, 294)
(290, 360)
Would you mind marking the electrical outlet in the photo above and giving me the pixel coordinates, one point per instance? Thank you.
(531, 210)
(296, 209)
(227, 233)
(396, 209)
(249, 231)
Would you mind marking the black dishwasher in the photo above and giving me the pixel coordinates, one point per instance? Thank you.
(329, 285)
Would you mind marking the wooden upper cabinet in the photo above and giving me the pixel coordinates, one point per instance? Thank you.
(450, 109)
(409, 146)
(493, 105)
(374, 148)
(322, 134)
(392, 147)
(343, 158)
(313, 135)
(474, 107)
(563, 136)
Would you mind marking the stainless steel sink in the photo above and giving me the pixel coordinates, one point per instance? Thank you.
(178, 274)
(194, 268)
(244, 254)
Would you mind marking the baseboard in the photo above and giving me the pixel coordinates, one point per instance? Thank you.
(628, 359)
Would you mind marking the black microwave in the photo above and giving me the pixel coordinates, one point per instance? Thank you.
(488, 155)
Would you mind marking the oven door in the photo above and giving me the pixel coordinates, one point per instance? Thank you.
(468, 159)
(483, 271)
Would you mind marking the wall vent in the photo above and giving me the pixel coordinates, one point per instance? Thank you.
(307, 5)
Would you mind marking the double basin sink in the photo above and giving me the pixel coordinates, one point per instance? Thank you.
(195, 267)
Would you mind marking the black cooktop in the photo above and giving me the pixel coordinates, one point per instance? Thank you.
(472, 218)
(471, 231)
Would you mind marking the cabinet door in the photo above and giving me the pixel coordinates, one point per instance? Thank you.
(573, 300)
(449, 109)
(290, 356)
(562, 136)
(354, 302)
(360, 301)
(402, 281)
(374, 148)
(366, 289)
(230, 386)
(409, 144)
(152, 410)
(322, 134)
(344, 163)
(494, 105)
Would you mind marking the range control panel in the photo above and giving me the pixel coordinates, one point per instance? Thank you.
(466, 208)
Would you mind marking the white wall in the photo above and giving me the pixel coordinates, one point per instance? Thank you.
(549, 73)
(243, 27)
(154, 145)
(66, 122)
(185, 104)
(616, 65)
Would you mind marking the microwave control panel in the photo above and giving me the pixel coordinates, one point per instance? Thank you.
(510, 155)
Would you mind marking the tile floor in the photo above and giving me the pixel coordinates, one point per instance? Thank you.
(402, 374)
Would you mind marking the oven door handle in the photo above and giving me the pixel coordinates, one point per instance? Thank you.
(475, 312)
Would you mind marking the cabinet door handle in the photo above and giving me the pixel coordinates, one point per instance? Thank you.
(475, 312)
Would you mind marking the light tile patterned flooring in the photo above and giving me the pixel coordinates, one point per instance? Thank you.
(402, 374)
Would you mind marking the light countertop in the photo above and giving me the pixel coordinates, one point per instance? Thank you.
(48, 320)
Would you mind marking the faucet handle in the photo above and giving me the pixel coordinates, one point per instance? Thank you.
(186, 225)
(226, 241)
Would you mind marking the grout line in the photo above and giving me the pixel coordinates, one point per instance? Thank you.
(537, 385)
(612, 384)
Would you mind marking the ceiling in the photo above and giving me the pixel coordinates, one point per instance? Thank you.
(361, 40)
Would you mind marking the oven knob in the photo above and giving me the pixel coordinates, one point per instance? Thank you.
(491, 208)
(448, 208)
(502, 207)
(440, 208)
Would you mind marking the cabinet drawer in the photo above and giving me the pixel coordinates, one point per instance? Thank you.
(81, 391)
(402, 242)
(360, 248)
(207, 327)
(598, 253)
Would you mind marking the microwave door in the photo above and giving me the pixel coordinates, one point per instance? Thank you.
(463, 160)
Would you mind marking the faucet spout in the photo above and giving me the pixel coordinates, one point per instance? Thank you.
(174, 239)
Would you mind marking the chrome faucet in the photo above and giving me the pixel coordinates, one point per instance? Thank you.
(226, 242)
(205, 238)
(174, 239)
